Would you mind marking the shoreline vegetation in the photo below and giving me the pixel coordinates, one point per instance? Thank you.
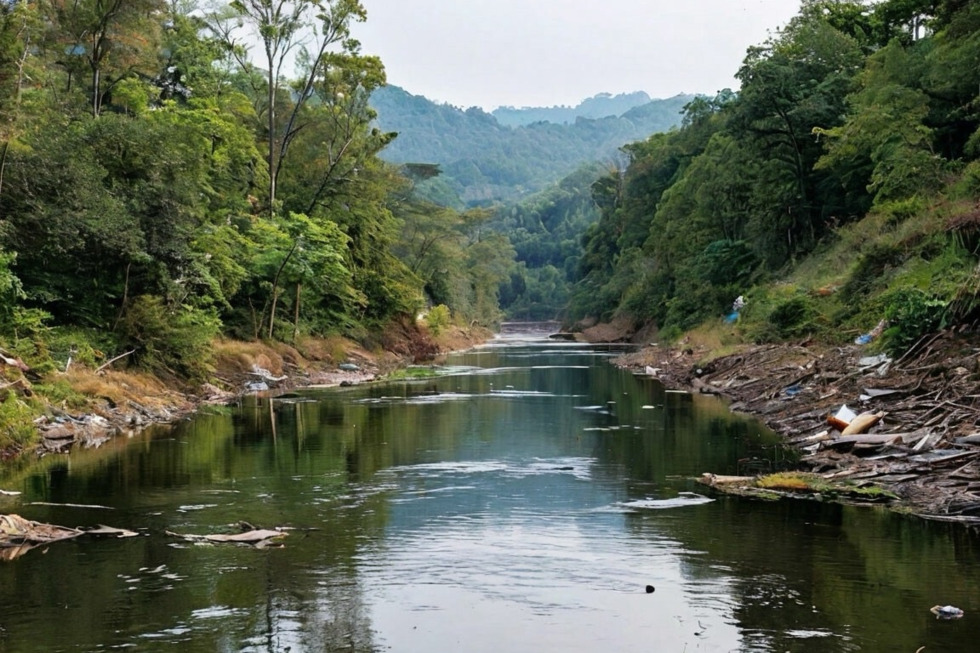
(86, 407)
(921, 455)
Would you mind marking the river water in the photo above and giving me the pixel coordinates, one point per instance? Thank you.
(520, 502)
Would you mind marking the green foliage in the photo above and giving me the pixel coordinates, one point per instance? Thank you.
(17, 430)
(485, 161)
(911, 313)
(792, 317)
(871, 268)
(169, 341)
(438, 318)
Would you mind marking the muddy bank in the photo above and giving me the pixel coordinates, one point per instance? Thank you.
(109, 403)
(925, 448)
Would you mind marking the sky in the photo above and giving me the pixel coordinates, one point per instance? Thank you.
(491, 53)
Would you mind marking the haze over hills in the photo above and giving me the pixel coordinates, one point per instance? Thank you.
(484, 161)
(601, 105)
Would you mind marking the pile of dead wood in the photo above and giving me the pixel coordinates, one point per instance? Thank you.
(925, 444)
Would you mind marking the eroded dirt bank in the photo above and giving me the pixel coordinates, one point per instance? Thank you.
(926, 446)
(120, 402)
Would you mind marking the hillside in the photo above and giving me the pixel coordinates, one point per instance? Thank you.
(598, 106)
(483, 161)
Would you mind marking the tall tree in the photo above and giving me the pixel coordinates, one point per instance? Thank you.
(284, 28)
(112, 37)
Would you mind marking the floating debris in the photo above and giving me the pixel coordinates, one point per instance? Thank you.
(19, 535)
(946, 612)
(260, 538)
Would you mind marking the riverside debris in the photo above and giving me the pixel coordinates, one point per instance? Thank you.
(926, 446)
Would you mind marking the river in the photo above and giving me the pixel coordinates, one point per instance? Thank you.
(522, 501)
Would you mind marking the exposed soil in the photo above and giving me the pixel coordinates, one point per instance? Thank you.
(123, 401)
(926, 446)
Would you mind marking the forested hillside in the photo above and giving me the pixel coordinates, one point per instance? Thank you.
(483, 161)
(597, 106)
(846, 167)
(163, 183)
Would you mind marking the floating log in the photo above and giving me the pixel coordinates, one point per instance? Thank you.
(715, 479)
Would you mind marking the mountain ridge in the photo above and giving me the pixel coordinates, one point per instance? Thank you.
(485, 162)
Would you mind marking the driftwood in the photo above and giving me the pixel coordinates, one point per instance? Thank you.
(19, 535)
(113, 360)
(257, 537)
(876, 439)
(926, 446)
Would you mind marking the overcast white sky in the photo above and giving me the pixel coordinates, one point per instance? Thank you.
(490, 53)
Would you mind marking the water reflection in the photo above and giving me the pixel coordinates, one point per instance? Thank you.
(520, 501)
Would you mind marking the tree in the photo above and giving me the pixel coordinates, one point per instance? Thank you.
(112, 37)
(789, 86)
(282, 27)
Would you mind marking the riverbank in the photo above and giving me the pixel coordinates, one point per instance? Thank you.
(925, 446)
(84, 407)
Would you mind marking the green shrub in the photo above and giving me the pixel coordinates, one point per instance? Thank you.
(793, 317)
(911, 313)
(870, 271)
(438, 319)
(17, 429)
(168, 340)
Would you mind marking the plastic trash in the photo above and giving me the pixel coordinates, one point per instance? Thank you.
(946, 612)
(842, 418)
(866, 338)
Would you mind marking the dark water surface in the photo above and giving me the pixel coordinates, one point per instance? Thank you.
(520, 503)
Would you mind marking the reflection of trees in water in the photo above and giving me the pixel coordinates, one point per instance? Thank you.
(328, 615)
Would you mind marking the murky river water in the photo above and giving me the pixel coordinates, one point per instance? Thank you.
(521, 503)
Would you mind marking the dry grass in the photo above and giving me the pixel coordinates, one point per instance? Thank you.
(235, 357)
(332, 349)
(713, 340)
(116, 387)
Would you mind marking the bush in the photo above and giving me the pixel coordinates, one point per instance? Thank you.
(793, 317)
(173, 341)
(911, 313)
(438, 318)
(17, 429)
(870, 271)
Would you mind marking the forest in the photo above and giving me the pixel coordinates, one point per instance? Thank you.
(834, 191)
(170, 174)
(501, 158)
(173, 174)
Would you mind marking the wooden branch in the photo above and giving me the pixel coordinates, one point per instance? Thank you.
(113, 360)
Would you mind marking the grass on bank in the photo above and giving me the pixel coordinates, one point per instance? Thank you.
(818, 487)
(911, 266)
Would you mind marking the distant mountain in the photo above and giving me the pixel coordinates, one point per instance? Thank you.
(484, 162)
(598, 106)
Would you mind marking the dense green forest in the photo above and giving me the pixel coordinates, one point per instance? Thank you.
(164, 182)
(837, 187)
(485, 162)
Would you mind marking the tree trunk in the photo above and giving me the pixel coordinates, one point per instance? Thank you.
(299, 289)
(275, 287)
(272, 136)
